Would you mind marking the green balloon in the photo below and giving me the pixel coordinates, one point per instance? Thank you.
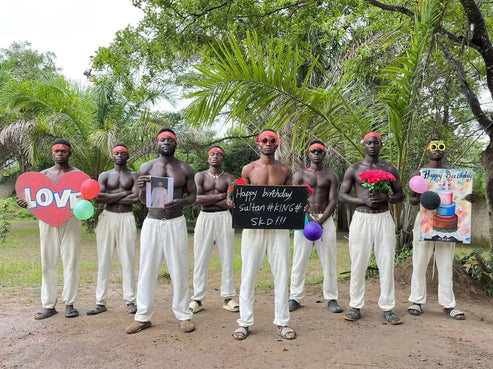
(83, 209)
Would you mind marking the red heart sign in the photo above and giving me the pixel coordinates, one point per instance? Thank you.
(50, 202)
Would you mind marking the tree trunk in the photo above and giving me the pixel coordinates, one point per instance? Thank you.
(487, 160)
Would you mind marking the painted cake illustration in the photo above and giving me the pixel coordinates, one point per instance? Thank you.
(445, 219)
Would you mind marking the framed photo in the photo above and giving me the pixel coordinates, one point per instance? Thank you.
(159, 191)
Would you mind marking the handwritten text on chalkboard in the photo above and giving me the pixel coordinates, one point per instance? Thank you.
(276, 207)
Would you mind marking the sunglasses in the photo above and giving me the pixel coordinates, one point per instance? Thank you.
(440, 146)
(317, 151)
(264, 140)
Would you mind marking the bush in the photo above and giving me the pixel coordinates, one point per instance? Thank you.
(479, 265)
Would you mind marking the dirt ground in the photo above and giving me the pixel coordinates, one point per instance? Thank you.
(431, 340)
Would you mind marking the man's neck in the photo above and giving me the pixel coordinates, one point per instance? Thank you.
(316, 166)
(167, 159)
(121, 167)
(62, 166)
(267, 159)
(369, 160)
(435, 164)
(215, 170)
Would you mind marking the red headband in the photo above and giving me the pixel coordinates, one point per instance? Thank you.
(317, 146)
(166, 134)
(372, 134)
(268, 134)
(216, 149)
(60, 147)
(120, 148)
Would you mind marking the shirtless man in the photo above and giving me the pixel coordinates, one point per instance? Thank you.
(63, 240)
(372, 226)
(214, 223)
(422, 251)
(116, 227)
(164, 236)
(256, 243)
(321, 207)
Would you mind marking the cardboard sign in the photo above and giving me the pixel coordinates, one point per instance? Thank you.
(269, 207)
(451, 221)
(50, 202)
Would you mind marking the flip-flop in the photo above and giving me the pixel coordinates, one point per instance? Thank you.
(232, 306)
(244, 331)
(45, 313)
(70, 311)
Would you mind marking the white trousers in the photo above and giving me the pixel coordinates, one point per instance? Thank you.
(163, 239)
(116, 230)
(444, 258)
(255, 245)
(327, 253)
(63, 241)
(210, 227)
(366, 232)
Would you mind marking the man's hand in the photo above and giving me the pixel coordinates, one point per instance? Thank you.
(471, 197)
(142, 180)
(22, 203)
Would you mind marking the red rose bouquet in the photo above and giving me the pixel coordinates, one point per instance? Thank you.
(376, 180)
(239, 181)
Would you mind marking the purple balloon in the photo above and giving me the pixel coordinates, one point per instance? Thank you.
(313, 231)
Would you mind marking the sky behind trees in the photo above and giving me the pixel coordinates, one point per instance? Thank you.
(72, 29)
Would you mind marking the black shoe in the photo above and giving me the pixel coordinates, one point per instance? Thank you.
(353, 315)
(391, 317)
(293, 305)
(333, 306)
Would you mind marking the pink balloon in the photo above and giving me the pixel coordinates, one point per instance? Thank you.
(418, 184)
(89, 189)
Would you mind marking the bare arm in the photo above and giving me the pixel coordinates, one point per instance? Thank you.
(332, 198)
(347, 184)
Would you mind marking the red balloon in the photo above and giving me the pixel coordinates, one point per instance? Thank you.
(89, 189)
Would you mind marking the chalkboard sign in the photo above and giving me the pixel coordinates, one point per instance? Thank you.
(269, 207)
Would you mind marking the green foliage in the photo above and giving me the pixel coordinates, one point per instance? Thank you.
(479, 265)
(5, 220)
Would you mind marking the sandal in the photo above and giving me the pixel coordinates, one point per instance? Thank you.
(232, 306)
(285, 331)
(242, 333)
(96, 310)
(455, 314)
(415, 309)
(70, 311)
(45, 313)
(195, 306)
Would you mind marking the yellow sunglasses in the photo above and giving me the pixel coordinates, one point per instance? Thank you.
(436, 145)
